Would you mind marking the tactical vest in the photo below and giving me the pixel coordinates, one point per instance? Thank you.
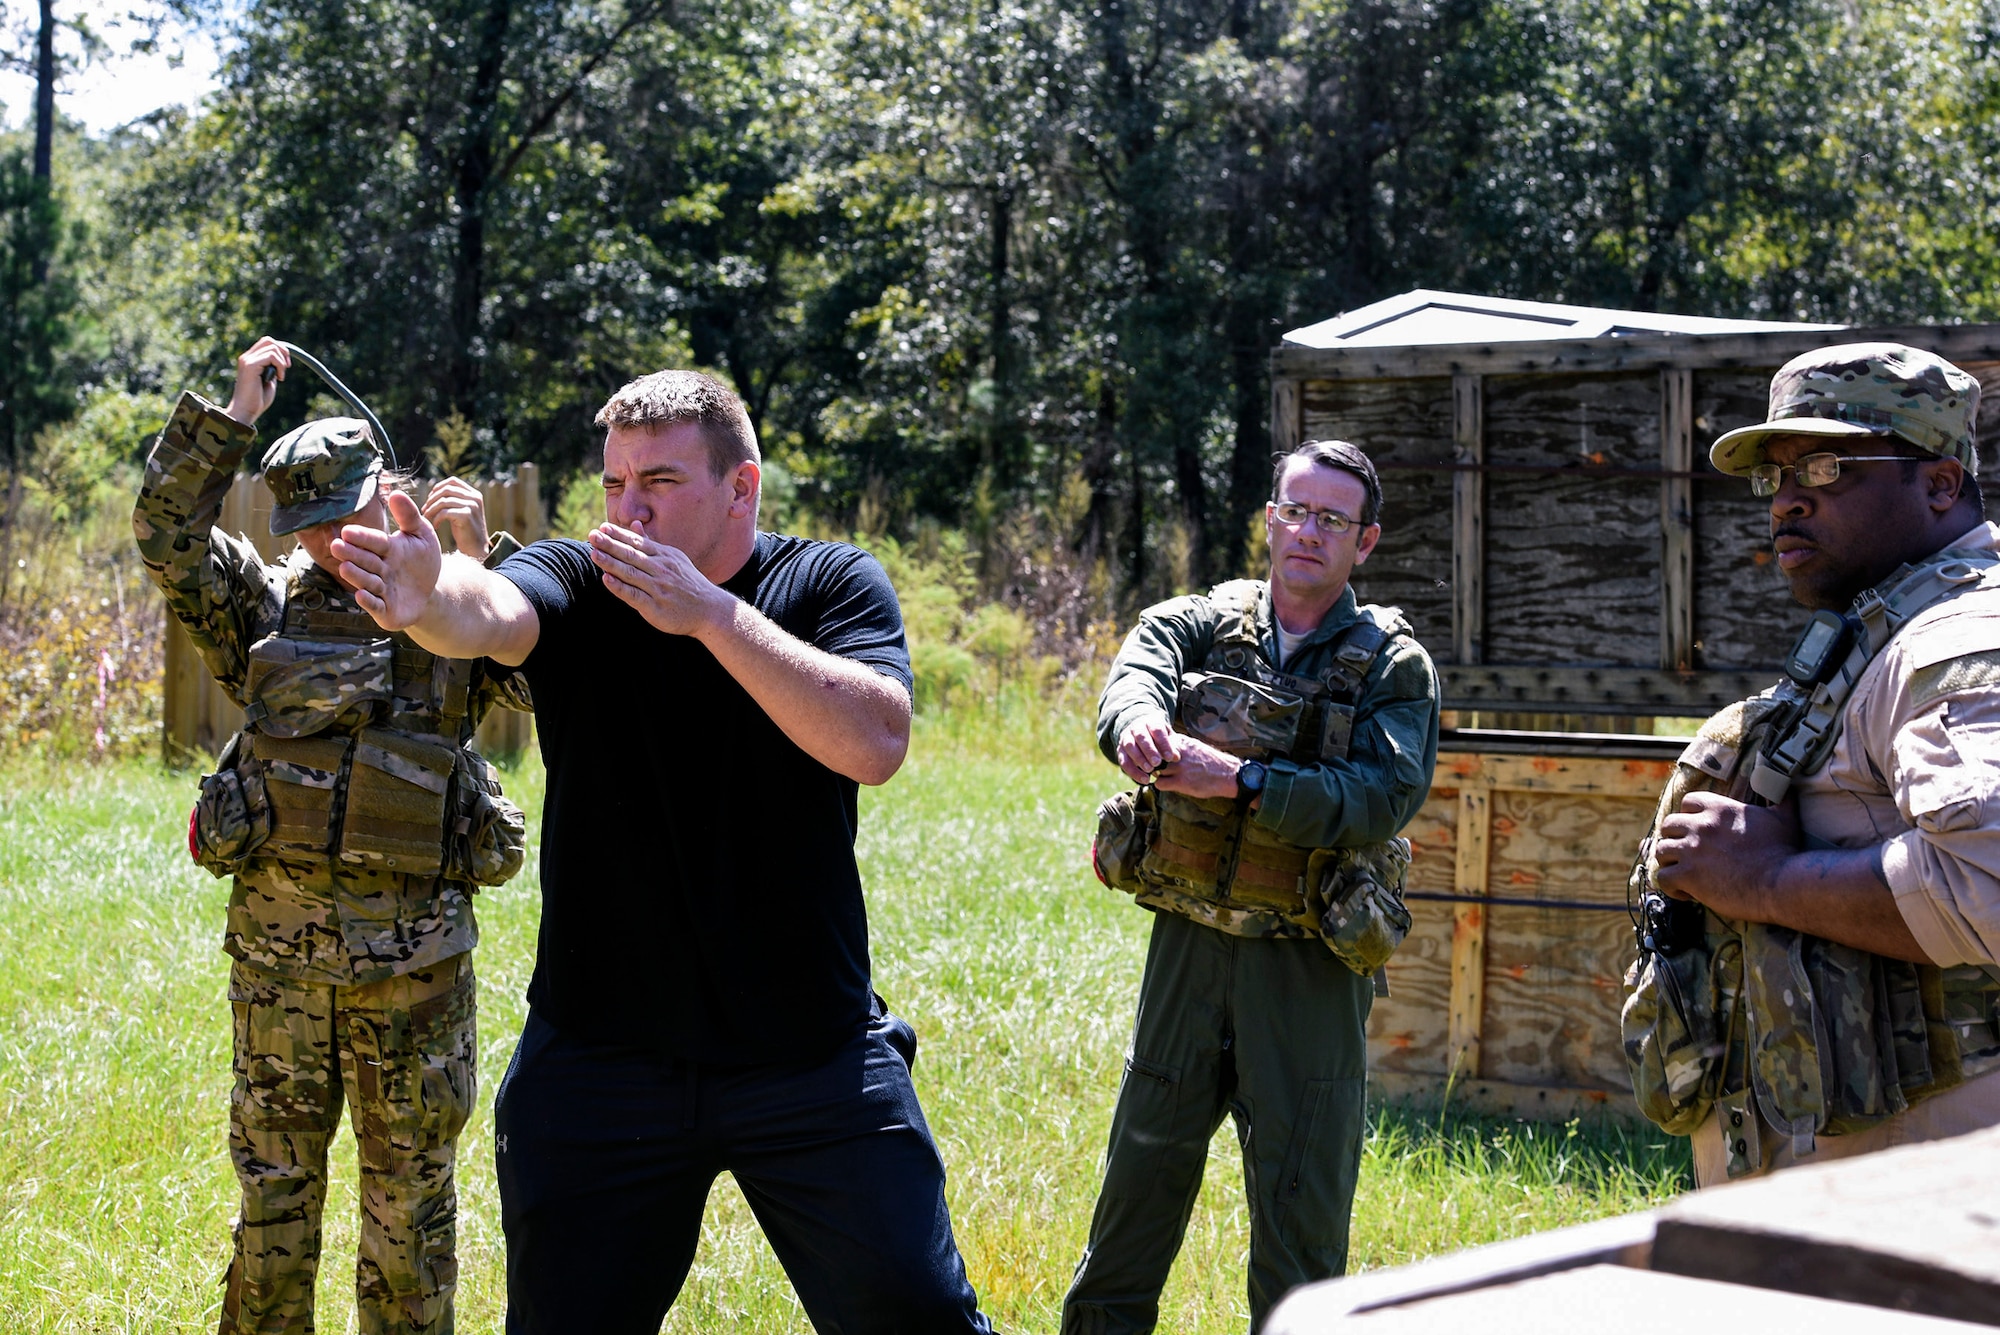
(356, 753)
(1205, 858)
(1758, 1021)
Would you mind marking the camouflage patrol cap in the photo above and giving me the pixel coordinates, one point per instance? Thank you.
(325, 470)
(1864, 389)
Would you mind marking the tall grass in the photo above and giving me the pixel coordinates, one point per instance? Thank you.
(1018, 970)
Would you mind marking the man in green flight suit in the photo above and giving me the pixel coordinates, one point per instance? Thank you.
(1282, 735)
(356, 821)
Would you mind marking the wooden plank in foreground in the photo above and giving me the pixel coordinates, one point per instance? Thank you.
(1915, 1228)
(1598, 1299)
(1624, 1241)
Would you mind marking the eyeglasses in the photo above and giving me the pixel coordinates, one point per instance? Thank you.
(1292, 514)
(1812, 470)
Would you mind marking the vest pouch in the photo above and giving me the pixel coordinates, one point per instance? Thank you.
(1124, 828)
(1672, 1030)
(1863, 1084)
(1968, 1005)
(301, 778)
(232, 816)
(1787, 1034)
(397, 795)
(489, 835)
(296, 688)
(1191, 840)
(1359, 895)
(1241, 717)
(1271, 876)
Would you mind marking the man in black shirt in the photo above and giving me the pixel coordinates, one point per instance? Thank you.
(708, 700)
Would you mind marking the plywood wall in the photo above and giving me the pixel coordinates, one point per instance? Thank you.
(1516, 1003)
(1570, 560)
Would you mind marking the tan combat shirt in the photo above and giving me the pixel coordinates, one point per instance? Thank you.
(1917, 770)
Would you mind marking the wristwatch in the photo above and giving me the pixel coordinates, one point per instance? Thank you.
(1250, 778)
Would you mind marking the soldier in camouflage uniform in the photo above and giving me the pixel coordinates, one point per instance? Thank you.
(1282, 735)
(356, 821)
(1837, 992)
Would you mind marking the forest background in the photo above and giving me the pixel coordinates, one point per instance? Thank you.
(998, 279)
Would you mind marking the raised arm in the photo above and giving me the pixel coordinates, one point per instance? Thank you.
(216, 586)
(842, 713)
(452, 605)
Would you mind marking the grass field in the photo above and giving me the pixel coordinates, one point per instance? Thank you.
(1017, 969)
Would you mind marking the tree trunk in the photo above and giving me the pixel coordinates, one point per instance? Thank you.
(1100, 460)
(45, 124)
(999, 430)
(475, 170)
(45, 93)
(1135, 533)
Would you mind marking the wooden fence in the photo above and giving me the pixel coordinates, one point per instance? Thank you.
(198, 718)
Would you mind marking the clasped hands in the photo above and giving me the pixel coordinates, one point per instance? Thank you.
(1150, 751)
(1726, 854)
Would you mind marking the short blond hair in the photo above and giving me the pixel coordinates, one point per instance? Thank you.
(667, 398)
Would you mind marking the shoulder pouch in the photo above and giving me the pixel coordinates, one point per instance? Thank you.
(1242, 717)
(295, 688)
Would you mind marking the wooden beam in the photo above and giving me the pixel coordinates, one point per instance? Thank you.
(1677, 521)
(1961, 343)
(1503, 1098)
(1552, 774)
(1598, 690)
(1468, 931)
(1468, 520)
(1286, 428)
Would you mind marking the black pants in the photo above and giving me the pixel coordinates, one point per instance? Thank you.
(1271, 1033)
(606, 1156)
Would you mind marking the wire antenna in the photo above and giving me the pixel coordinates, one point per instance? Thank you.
(353, 400)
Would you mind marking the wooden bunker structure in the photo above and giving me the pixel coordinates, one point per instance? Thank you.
(1553, 530)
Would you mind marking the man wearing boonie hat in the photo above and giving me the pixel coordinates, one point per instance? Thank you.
(355, 821)
(1842, 830)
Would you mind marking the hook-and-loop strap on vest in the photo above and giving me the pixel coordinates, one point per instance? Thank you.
(357, 753)
(1206, 858)
(1760, 1021)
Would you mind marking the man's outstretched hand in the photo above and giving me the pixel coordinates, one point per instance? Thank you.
(392, 574)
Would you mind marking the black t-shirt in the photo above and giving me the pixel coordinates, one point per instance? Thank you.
(699, 890)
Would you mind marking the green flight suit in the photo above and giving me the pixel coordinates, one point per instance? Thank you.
(1264, 1028)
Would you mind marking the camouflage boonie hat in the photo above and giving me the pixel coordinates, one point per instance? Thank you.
(1864, 389)
(325, 470)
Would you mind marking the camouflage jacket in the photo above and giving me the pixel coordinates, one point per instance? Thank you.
(1362, 800)
(311, 922)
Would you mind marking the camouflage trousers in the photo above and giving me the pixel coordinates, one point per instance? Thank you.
(401, 1052)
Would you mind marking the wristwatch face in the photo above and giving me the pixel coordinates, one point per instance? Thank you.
(1250, 777)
